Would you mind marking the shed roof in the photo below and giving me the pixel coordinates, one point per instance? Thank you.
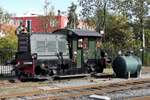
(78, 32)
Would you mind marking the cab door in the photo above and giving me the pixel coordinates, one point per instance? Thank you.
(79, 53)
(79, 58)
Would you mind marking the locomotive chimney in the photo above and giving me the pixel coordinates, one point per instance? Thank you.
(29, 25)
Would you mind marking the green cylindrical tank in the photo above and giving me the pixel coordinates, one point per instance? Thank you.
(122, 65)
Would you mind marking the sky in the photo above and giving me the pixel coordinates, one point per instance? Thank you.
(20, 7)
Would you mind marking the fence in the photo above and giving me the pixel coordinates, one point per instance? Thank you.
(6, 70)
(6, 56)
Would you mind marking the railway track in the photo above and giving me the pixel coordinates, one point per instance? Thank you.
(141, 98)
(76, 91)
(100, 90)
(15, 83)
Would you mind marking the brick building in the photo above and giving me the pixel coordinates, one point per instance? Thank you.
(41, 23)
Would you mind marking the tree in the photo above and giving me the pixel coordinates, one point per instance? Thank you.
(115, 25)
(72, 17)
(147, 38)
(147, 31)
(4, 16)
(132, 8)
(147, 22)
(137, 9)
(47, 20)
(140, 11)
(97, 9)
(8, 43)
(119, 32)
(90, 22)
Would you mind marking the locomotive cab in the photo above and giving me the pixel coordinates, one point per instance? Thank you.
(84, 49)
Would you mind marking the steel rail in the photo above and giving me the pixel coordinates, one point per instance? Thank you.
(85, 90)
(141, 98)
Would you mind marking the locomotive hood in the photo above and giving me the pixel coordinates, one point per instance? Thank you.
(48, 46)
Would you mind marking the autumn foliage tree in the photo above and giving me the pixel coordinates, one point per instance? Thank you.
(72, 17)
(8, 40)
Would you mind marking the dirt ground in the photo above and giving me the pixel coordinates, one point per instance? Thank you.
(7, 86)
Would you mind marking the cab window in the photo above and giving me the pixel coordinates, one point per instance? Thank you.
(85, 43)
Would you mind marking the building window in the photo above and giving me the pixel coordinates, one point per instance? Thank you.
(83, 43)
(53, 22)
(80, 43)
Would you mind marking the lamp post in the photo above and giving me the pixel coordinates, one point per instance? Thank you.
(141, 17)
(143, 44)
